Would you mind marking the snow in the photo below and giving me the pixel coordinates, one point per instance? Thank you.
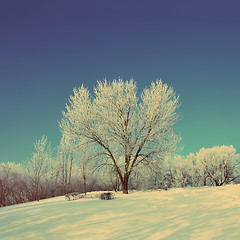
(190, 213)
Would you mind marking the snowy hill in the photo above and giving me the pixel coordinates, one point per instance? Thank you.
(191, 213)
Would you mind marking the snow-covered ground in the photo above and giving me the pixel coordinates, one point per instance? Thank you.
(191, 213)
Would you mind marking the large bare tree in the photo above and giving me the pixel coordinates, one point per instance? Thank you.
(125, 129)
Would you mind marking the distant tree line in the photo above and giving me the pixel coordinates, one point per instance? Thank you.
(44, 177)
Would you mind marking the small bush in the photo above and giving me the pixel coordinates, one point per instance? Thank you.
(106, 196)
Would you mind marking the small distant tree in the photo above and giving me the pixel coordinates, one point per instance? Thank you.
(219, 164)
(65, 159)
(198, 172)
(178, 171)
(110, 178)
(53, 179)
(124, 130)
(38, 165)
(84, 157)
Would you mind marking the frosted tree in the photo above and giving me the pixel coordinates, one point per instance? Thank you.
(219, 164)
(38, 165)
(7, 183)
(65, 159)
(84, 158)
(178, 171)
(125, 130)
(195, 174)
(12, 185)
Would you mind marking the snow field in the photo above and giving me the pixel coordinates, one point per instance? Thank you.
(190, 213)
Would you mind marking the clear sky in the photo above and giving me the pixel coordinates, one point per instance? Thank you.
(48, 47)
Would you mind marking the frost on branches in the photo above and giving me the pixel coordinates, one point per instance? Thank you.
(126, 131)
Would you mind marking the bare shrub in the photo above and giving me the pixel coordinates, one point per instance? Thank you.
(106, 196)
(73, 196)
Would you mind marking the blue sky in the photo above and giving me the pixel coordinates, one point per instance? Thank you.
(49, 47)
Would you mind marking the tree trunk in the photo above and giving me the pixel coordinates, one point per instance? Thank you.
(84, 179)
(84, 184)
(125, 183)
(125, 188)
(70, 174)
